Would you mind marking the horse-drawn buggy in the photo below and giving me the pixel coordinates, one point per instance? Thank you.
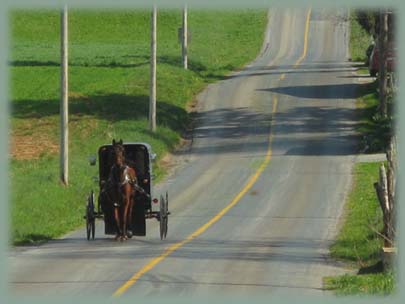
(125, 198)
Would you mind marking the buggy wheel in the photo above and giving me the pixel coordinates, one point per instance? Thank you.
(93, 228)
(166, 213)
(163, 218)
(90, 217)
(90, 229)
(161, 224)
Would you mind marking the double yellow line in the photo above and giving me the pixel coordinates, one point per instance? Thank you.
(235, 200)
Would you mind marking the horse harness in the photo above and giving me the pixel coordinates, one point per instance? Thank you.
(114, 180)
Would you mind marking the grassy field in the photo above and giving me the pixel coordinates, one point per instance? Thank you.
(358, 242)
(108, 97)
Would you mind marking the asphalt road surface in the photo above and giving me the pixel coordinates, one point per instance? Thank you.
(275, 143)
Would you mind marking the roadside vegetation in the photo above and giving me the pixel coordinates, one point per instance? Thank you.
(360, 39)
(374, 129)
(108, 97)
(360, 241)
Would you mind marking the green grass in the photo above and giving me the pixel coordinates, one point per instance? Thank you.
(357, 242)
(375, 284)
(363, 71)
(374, 129)
(109, 89)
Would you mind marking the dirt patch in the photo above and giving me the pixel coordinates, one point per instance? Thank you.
(30, 139)
(26, 147)
(192, 106)
(166, 162)
(77, 95)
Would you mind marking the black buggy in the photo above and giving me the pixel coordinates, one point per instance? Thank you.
(138, 156)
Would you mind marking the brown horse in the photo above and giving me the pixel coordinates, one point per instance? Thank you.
(123, 183)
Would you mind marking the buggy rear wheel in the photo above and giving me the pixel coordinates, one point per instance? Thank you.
(163, 217)
(90, 217)
(167, 214)
(90, 229)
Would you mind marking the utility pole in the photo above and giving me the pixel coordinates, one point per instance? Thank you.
(184, 38)
(382, 54)
(152, 95)
(64, 140)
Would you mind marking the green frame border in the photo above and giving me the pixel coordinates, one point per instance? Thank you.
(6, 5)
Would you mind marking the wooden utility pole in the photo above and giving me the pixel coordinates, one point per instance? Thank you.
(64, 141)
(382, 56)
(184, 38)
(152, 97)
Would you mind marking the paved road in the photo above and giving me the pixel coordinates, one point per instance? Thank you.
(296, 111)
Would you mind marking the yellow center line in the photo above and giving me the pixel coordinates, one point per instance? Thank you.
(304, 53)
(220, 214)
(203, 228)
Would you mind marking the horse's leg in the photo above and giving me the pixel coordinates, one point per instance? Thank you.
(126, 209)
(131, 205)
(117, 221)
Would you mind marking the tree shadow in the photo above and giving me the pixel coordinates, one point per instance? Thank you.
(314, 67)
(316, 130)
(111, 64)
(248, 73)
(228, 130)
(305, 251)
(111, 107)
(32, 239)
(376, 268)
(301, 130)
(335, 91)
(230, 123)
(122, 62)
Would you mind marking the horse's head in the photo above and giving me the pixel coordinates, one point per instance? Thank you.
(118, 153)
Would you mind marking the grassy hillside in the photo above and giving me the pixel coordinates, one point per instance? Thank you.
(109, 89)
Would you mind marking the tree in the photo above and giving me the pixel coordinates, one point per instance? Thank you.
(382, 59)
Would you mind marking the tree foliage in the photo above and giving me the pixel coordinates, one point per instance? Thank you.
(368, 20)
